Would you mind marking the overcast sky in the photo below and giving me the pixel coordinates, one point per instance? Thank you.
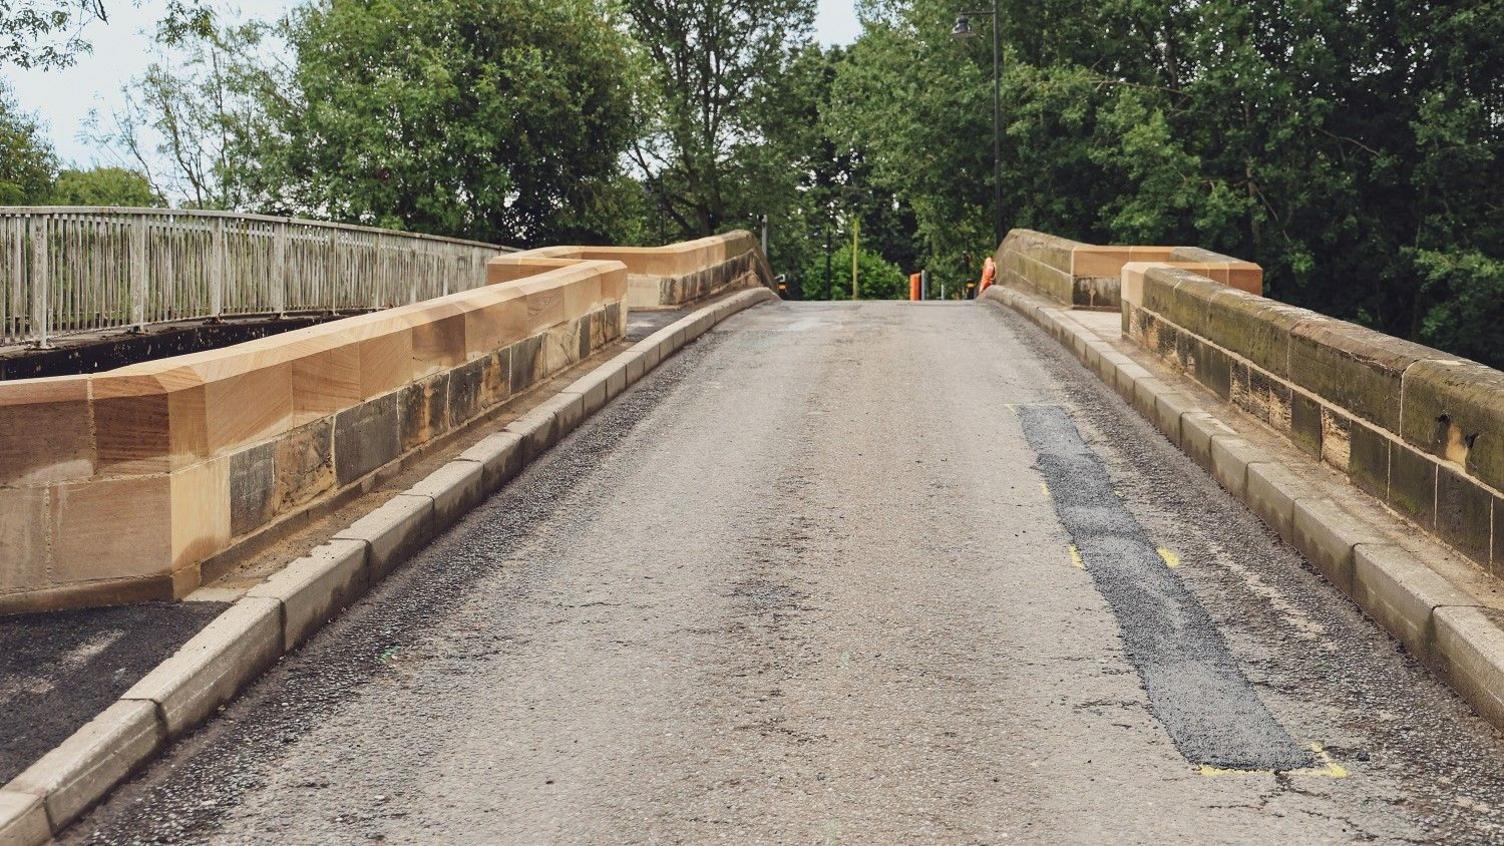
(123, 48)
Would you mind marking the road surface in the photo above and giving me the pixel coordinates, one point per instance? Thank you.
(843, 573)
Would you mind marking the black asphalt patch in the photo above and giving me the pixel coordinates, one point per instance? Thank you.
(60, 669)
(1196, 690)
(641, 324)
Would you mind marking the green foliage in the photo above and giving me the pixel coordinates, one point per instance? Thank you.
(26, 159)
(877, 278)
(718, 111)
(1467, 292)
(48, 34)
(491, 119)
(1348, 147)
(104, 186)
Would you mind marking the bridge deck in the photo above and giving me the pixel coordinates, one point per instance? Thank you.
(868, 573)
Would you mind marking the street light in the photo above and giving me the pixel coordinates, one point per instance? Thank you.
(963, 30)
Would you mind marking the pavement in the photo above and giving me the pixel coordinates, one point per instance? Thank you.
(863, 573)
(58, 670)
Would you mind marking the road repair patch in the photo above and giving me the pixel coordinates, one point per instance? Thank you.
(1196, 691)
(61, 668)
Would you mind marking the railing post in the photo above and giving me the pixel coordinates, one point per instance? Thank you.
(39, 282)
(216, 269)
(279, 270)
(138, 273)
(14, 315)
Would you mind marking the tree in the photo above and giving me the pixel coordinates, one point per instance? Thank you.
(1330, 141)
(27, 162)
(48, 34)
(191, 125)
(500, 120)
(104, 186)
(709, 153)
(877, 278)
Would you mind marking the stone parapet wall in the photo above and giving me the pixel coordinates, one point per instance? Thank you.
(1420, 429)
(660, 277)
(117, 486)
(1089, 275)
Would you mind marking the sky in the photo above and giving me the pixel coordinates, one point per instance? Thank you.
(123, 47)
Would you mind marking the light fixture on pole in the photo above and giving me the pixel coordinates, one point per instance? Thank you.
(963, 30)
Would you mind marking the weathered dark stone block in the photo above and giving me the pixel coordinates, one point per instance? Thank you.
(305, 464)
(613, 320)
(252, 487)
(1166, 341)
(1305, 423)
(465, 386)
(1241, 392)
(1336, 429)
(496, 381)
(1455, 410)
(424, 411)
(1253, 327)
(366, 437)
(1464, 514)
(526, 362)
(1368, 460)
(1214, 370)
(1352, 367)
(1412, 484)
(582, 329)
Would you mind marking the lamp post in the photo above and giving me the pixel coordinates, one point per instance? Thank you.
(962, 30)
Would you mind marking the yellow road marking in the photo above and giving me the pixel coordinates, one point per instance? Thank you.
(1076, 558)
(1325, 768)
(1171, 559)
(1044, 488)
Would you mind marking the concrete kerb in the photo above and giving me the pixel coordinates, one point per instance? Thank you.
(103, 752)
(23, 819)
(314, 588)
(1439, 621)
(285, 609)
(213, 665)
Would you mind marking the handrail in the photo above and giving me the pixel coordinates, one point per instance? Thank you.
(72, 269)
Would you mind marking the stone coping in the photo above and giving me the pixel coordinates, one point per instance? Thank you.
(1418, 428)
(1088, 275)
(667, 276)
(116, 486)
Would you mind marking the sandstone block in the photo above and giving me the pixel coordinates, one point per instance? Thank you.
(1352, 367)
(1455, 410)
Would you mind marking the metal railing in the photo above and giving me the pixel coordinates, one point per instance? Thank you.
(72, 269)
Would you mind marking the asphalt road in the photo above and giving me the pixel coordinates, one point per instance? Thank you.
(866, 574)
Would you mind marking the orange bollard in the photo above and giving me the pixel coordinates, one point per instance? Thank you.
(914, 287)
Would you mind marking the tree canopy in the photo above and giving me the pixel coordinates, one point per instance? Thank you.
(1351, 147)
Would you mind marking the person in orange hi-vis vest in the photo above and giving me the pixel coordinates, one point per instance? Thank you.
(989, 273)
